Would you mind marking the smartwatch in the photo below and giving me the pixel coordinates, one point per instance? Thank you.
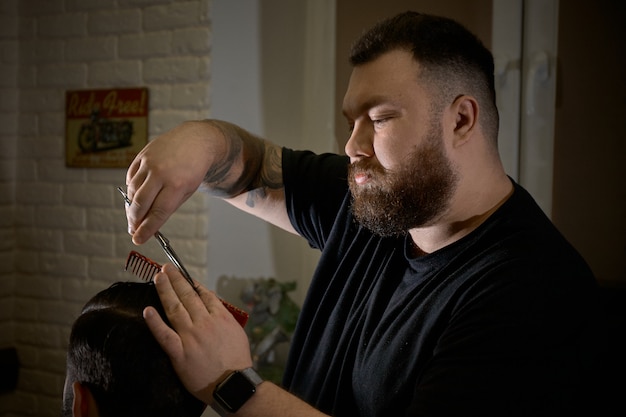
(236, 389)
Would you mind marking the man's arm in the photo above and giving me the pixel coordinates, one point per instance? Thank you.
(220, 157)
(271, 400)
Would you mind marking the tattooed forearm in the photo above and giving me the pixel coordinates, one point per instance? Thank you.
(218, 173)
(271, 175)
(272, 169)
(259, 170)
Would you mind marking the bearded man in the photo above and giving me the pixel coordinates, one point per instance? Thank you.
(442, 288)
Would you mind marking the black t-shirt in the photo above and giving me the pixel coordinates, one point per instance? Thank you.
(498, 323)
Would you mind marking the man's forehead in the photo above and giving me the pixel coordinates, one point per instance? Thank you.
(353, 105)
(386, 81)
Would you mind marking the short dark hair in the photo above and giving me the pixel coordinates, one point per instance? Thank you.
(113, 353)
(453, 60)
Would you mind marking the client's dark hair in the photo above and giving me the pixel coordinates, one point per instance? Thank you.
(112, 352)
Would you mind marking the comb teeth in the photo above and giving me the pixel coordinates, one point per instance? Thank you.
(142, 266)
(145, 268)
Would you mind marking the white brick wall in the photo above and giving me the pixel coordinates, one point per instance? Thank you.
(63, 231)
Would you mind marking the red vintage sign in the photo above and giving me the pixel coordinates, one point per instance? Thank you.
(105, 128)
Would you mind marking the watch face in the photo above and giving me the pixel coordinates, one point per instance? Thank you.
(234, 391)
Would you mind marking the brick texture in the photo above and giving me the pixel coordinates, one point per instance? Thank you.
(62, 230)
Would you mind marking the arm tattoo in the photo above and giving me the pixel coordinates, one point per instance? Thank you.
(262, 166)
(219, 171)
(271, 175)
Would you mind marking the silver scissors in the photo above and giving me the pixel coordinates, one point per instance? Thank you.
(165, 245)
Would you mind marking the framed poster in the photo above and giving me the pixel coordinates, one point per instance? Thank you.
(105, 128)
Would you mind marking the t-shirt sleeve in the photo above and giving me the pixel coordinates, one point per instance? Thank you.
(315, 188)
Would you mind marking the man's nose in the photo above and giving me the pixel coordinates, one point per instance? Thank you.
(360, 142)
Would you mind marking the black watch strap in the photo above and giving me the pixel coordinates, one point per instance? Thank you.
(237, 388)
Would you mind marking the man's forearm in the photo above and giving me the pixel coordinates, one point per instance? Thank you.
(247, 163)
(271, 401)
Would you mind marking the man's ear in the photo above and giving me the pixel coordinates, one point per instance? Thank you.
(84, 405)
(465, 109)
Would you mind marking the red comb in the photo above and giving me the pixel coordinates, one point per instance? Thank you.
(145, 268)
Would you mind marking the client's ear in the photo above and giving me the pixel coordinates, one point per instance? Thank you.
(84, 405)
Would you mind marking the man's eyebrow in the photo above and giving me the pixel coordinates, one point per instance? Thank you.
(370, 103)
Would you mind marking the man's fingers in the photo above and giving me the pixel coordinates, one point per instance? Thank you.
(172, 299)
(152, 204)
(210, 300)
(180, 299)
(135, 178)
(145, 215)
(154, 208)
(167, 338)
(133, 170)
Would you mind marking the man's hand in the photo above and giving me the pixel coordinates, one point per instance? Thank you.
(167, 172)
(206, 341)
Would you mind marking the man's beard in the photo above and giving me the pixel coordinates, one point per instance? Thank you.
(411, 196)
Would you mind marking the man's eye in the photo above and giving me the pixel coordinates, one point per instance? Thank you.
(379, 122)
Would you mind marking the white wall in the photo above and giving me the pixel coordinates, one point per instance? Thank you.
(239, 242)
(273, 74)
(65, 228)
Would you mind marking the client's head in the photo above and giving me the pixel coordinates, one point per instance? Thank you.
(115, 366)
